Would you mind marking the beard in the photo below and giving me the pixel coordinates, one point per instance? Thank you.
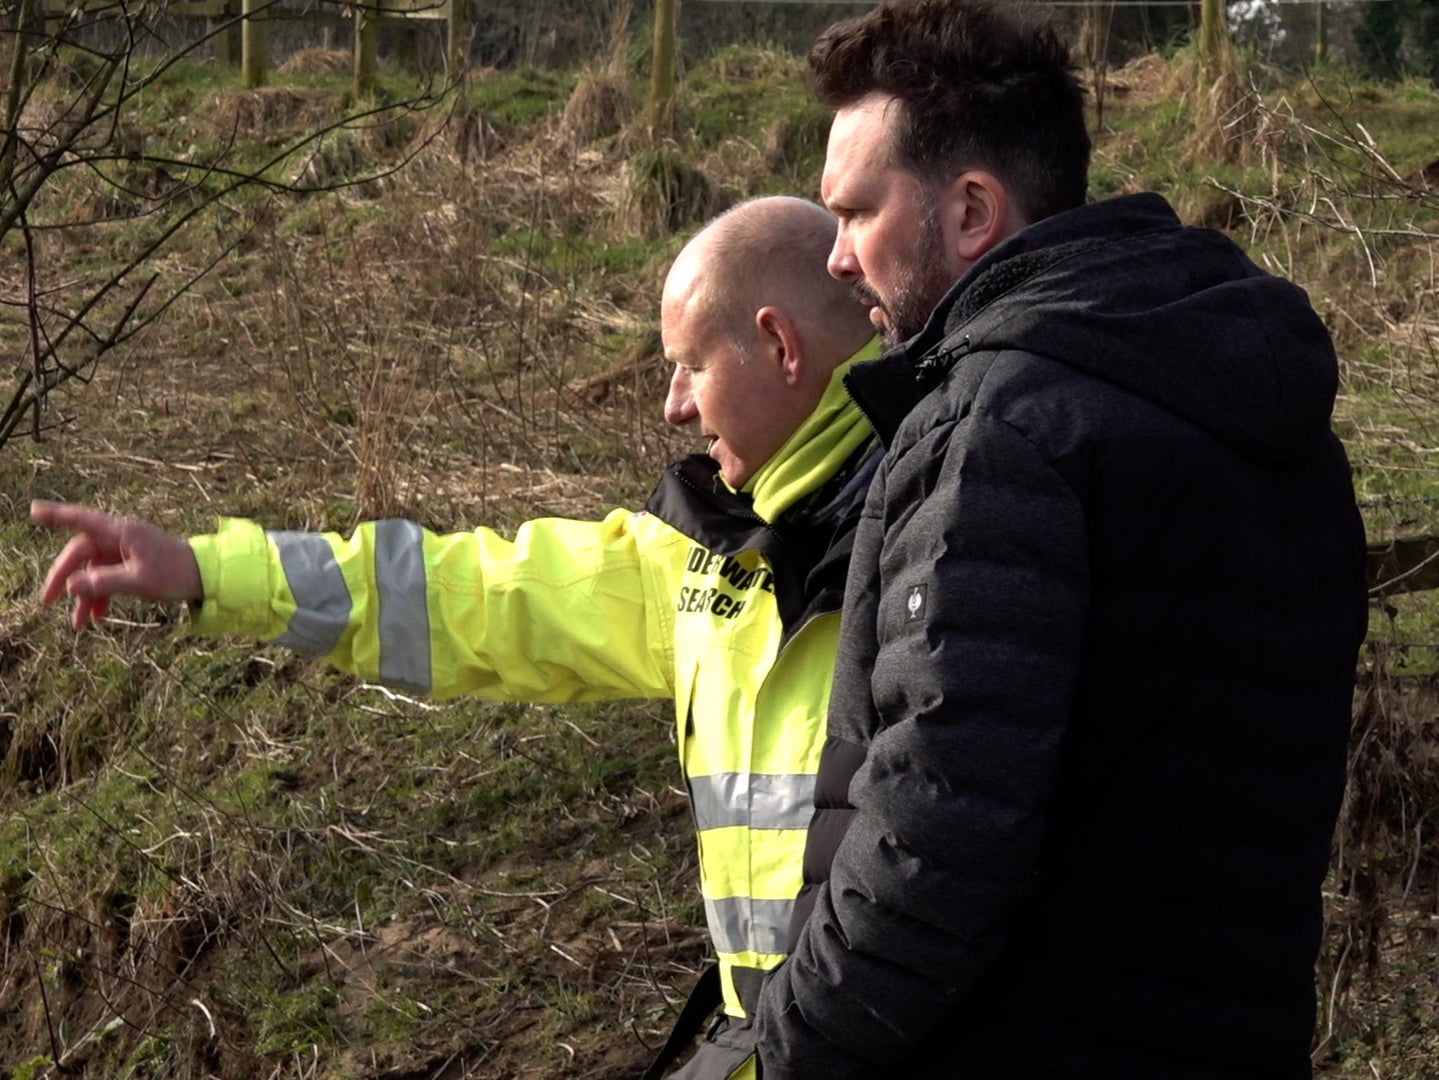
(920, 285)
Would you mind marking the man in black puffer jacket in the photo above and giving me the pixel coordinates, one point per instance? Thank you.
(1087, 736)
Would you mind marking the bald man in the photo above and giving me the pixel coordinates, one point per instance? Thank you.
(723, 594)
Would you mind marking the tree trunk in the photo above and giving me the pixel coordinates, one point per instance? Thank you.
(253, 43)
(662, 69)
(1213, 40)
(367, 48)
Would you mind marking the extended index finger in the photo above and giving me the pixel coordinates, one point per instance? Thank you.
(57, 515)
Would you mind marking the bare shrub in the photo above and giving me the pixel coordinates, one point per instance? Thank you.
(333, 62)
(267, 113)
(664, 193)
(600, 106)
(1222, 117)
(84, 149)
(391, 420)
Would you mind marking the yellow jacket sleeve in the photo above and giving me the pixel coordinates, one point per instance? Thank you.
(567, 611)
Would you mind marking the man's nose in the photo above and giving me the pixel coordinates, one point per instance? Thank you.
(841, 263)
(679, 402)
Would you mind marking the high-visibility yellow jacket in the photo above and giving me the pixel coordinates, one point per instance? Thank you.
(697, 598)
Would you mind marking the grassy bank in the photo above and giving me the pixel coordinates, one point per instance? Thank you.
(218, 860)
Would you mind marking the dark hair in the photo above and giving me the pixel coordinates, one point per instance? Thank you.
(982, 83)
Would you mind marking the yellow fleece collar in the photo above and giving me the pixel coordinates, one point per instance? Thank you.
(819, 446)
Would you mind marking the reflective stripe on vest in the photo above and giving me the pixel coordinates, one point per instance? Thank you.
(321, 596)
(324, 603)
(749, 803)
(761, 802)
(404, 622)
(740, 924)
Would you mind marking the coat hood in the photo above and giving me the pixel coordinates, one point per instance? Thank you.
(1123, 291)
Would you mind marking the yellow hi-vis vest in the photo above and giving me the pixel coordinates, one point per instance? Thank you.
(625, 607)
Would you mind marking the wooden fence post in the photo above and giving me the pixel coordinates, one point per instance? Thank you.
(662, 69)
(457, 37)
(367, 47)
(224, 26)
(253, 43)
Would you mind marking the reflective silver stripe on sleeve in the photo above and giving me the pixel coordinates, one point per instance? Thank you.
(321, 596)
(761, 801)
(404, 608)
(739, 924)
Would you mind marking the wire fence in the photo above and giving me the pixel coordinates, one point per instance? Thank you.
(1109, 5)
(1404, 616)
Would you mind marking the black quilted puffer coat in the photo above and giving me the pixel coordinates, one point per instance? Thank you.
(1087, 738)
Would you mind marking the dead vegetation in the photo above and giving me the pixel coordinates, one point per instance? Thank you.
(262, 869)
(600, 106)
(792, 143)
(332, 62)
(665, 194)
(268, 113)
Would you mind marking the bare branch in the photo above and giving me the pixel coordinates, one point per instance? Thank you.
(72, 129)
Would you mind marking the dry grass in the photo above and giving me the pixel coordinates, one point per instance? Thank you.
(1142, 81)
(471, 344)
(333, 62)
(268, 113)
(665, 193)
(266, 869)
(600, 106)
(1382, 904)
(421, 359)
(1221, 110)
(791, 142)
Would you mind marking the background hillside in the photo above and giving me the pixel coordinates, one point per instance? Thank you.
(217, 860)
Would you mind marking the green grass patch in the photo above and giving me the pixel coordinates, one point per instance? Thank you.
(522, 96)
(358, 881)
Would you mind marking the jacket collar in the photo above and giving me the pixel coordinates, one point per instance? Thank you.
(887, 388)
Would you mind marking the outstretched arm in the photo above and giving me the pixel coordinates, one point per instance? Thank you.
(110, 556)
(566, 611)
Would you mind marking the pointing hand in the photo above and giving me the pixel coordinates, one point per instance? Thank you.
(113, 556)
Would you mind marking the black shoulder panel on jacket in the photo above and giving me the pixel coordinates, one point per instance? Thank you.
(808, 551)
(691, 499)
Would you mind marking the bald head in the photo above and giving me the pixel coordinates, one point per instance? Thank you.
(755, 328)
(772, 251)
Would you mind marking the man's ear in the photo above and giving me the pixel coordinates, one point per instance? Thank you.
(780, 337)
(978, 213)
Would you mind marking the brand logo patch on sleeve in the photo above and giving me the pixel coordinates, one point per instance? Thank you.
(918, 596)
